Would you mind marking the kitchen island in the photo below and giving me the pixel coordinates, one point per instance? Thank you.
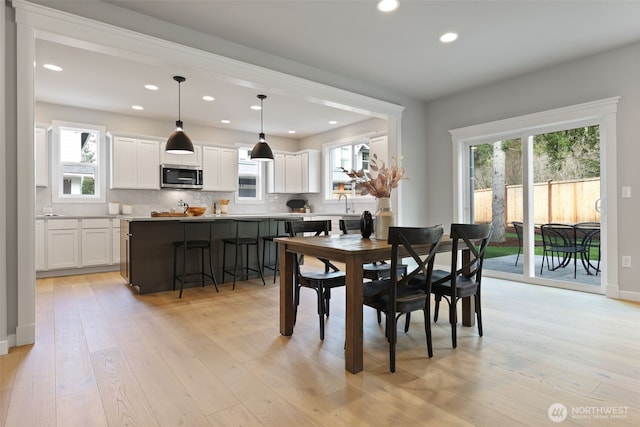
(146, 245)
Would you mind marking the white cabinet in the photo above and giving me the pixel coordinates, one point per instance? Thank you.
(41, 148)
(96, 241)
(219, 169)
(294, 173)
(62, 243)
(40, 245)
(194, 159)
(135, 163)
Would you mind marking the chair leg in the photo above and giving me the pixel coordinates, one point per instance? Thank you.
(320, 292)
(235, 265)
(175, 254)
(407, 321)
(427, 330)
(258, 261)
(202, 276)
(213, 275)
(184, 268)
(393, 338)
(478, 313)
(437, 308)
(224, 261)
(453, 319)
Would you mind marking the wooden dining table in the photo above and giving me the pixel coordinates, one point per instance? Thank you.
(353, 251)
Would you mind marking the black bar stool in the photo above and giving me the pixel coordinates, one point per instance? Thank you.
(185, 245)
(239, 242)
(268, 241)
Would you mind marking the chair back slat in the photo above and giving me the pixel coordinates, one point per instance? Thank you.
(349, 226)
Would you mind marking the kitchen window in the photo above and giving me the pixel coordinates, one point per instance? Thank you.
(250, 175)
(78, 163)
(354, 155)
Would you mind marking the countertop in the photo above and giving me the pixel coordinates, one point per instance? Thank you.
(214, 217)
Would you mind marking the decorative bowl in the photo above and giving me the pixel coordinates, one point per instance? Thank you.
(196, 210)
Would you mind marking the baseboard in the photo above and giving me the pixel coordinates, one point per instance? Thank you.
(74, 271)
(629, 296)
(4, 347)
(25, 334)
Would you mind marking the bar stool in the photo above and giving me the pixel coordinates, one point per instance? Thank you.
(240, 242)
(268, 240)
(185, 245)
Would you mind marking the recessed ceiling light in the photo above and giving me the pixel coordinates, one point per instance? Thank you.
(137, 107)
(225, 121)
(151, 87)
(291, 131)
(333, 122)
(387, 5)
(448, 37)
(208, 98)
(52, 67)
(255, 107)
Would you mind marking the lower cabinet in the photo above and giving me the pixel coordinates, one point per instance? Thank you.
(63, 244)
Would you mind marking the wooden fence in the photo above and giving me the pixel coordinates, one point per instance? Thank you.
(563, 201)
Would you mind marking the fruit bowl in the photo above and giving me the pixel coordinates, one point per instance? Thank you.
(196, 210)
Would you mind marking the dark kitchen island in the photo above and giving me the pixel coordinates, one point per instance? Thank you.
(147, 251)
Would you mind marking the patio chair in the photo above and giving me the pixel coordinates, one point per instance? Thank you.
(517, 225)
(588, 233)
(560, 244)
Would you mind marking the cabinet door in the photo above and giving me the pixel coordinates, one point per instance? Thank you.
(40, 246)
(62, 249)
(42, 157)
(310, 163)
(210, 168)
(96, 246)
(148, 164)
(194, 159)
(228, 169)
(124, 163)
(276, 174)
(293, 174)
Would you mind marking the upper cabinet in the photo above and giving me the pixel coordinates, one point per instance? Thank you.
(194, 159)
(135, 163)
(41, 140)
(294, 173)
(219, 168)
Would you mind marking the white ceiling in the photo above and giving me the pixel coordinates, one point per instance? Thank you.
(399, 51)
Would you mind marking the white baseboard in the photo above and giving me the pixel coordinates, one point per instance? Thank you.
(25, 334)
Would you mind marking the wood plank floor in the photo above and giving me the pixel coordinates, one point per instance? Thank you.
(105, 356)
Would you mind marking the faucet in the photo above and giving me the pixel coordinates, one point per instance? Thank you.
(346, 202)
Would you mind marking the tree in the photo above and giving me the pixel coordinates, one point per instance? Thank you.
(497, 200)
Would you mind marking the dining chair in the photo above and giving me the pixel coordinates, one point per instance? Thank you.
(560, 245)
(321, 281)
(400, 295)
(464, 281)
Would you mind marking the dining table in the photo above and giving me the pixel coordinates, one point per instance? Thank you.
(354, 251)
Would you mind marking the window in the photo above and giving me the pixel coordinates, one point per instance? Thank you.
(78, 163)
(249, 177)
(354, 155)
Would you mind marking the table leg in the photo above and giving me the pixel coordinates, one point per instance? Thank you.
(287, 261)
(354, 293)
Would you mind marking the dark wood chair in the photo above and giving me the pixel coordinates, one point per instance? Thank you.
(400, 295)
(464, 281)
(560, 246)
(320, 281)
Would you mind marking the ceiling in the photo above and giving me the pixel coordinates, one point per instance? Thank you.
(398, 51)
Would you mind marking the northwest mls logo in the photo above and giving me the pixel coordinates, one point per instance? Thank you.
(557, 412)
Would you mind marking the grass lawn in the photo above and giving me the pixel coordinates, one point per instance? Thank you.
(510, 247)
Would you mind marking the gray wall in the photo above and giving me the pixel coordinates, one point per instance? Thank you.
(609, 74)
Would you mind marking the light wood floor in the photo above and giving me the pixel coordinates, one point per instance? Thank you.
(106, 356)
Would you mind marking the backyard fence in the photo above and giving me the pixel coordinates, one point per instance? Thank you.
(562, 201)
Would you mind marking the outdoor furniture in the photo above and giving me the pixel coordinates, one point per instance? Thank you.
(588, 234)
(517, 225)
(560, 246)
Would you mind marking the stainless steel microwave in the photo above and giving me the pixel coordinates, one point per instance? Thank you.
(180, 177)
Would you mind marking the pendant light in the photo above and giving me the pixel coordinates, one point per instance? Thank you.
(179, 142)
(261, 151)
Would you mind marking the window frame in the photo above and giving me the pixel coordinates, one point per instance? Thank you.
(327, 149)
(260, 178)
(57, 166)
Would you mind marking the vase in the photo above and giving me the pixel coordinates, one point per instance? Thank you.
(385, 218)
(366, 224)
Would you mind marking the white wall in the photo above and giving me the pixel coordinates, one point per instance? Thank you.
(609, 74)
